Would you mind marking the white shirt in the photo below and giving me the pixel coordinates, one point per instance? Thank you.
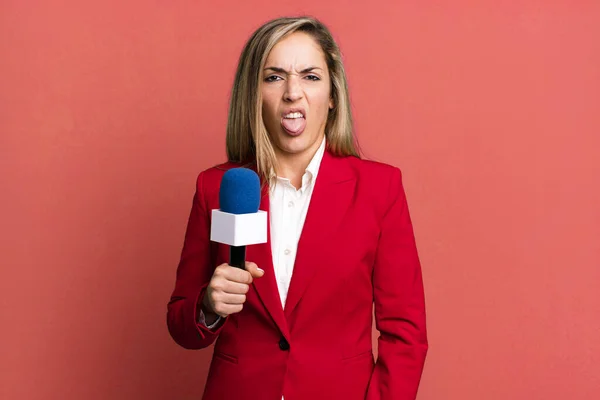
(288, 208)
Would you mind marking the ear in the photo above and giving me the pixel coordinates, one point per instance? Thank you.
(331, 104)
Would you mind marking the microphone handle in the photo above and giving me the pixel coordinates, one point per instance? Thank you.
(237, 256)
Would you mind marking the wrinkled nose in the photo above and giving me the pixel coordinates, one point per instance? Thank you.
(293, 89)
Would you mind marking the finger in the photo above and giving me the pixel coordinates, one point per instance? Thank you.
(224, 310)
(234, 287)
(229, 298)
(237, 275)
(221, 270)
(253, 269)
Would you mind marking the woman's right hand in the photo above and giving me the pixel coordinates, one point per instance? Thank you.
(226, 292)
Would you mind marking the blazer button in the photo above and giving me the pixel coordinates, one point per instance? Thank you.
(283, 344)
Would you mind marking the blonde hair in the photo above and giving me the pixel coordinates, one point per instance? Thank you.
(247, 136)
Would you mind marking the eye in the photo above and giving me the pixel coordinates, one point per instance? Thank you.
(272, 78)
(313, 78)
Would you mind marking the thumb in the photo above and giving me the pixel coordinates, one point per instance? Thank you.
(254, 270)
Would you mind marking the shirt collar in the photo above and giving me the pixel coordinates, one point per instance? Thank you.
(312, 169)
(315, 163)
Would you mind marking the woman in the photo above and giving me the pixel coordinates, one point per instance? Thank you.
(338, 222)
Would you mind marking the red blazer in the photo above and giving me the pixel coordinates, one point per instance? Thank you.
(357, 248)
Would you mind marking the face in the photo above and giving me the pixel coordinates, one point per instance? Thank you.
(296, 95)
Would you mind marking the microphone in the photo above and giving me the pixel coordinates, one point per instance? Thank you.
(239, 222)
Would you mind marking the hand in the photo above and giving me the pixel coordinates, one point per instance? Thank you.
(226, 292)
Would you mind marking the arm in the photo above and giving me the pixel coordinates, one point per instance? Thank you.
(399, 304)
(193, 276)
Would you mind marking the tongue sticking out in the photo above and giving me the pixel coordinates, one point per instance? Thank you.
(294, 126)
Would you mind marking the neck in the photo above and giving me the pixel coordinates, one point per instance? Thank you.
(293, 166)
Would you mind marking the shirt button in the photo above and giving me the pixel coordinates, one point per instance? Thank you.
(287, 252)
(291, 204)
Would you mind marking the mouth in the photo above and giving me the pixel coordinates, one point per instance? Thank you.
(293, 121)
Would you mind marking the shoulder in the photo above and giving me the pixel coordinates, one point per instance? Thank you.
(379, 184)
(376, 173)
(209, 180)
(375, 167)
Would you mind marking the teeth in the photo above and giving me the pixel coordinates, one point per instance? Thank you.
(293, 115)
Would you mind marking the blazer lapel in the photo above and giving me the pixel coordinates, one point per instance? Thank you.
(332, 195)
(266, 287)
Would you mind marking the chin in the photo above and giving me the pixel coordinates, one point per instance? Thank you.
(294, 145)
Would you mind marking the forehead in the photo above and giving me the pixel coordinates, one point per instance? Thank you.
(296, 50)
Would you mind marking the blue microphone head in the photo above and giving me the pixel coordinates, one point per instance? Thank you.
(240, 191)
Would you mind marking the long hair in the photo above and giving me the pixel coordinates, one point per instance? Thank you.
(247, 137)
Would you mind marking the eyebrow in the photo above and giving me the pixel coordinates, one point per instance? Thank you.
(283, 71)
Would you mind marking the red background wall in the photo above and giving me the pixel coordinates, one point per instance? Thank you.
(110, 109)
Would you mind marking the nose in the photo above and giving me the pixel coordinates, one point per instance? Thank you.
(293, 89)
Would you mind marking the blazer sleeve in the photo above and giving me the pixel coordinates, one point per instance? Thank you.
(399, 304)
(193, 276)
